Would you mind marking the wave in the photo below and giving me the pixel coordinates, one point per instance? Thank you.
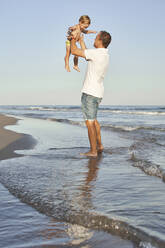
(55, 108)
(134, 112)
(104, 126)
(41, 108)
(115, 111)
(93, 220)
(133, 107)
(81, 123)
(77, 123)
(148, 167)
(131, 128)
(75, 108)
(131, 110)
(145, 245)
(108, 126)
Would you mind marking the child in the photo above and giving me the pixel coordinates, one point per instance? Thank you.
(75, 32)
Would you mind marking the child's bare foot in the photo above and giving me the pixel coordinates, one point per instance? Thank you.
(100, 148)
(76, 68)
(67, 67)
(89, 154)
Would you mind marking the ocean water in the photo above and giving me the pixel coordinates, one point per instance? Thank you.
(120, 193)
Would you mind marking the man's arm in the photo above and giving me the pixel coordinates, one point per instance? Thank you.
(75, 50)
(82, 43)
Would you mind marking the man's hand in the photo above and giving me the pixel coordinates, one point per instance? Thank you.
(81, 41)
(75, 50)
(81, 38)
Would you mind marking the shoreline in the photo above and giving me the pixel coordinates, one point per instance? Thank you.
(11, 140)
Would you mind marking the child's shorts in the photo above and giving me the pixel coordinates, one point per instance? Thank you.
(89, 105)
(67, 42)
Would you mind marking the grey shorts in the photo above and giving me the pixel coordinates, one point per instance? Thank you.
(89, 105)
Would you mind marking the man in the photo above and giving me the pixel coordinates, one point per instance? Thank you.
(93, 89)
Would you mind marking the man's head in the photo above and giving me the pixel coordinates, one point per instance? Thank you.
(102, 40)
(84, 21)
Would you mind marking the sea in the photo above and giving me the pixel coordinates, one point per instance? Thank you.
(54, 197)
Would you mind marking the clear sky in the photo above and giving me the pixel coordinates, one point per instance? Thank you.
(32, 50)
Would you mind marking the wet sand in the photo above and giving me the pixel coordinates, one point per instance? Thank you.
(7, 136)
(10, 140)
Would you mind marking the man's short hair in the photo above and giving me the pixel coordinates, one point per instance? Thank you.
(106, 38)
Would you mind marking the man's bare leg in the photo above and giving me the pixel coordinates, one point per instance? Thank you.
(98, 137)
(92, 139)
(75, 60)
(67, 58)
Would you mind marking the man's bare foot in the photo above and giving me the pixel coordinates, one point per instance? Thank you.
(100, 148)
(89, 154)
(76, 68)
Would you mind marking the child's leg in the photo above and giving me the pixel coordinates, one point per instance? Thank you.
(76, 63)
(67, 56)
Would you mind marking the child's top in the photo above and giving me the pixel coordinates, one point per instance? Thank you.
(75, 32)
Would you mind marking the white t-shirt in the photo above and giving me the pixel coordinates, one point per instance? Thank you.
(98, 60)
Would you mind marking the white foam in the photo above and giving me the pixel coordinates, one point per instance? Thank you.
(135, 112)
(146, 245)
(42, 108)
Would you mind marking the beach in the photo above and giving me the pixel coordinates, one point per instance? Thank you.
(25, 227)
(54, 197)
(10, 141)
(7, 136)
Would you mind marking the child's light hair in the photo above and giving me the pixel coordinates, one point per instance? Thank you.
(85, 19)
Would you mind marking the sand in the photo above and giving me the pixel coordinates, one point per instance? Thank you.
(11, 141)
(7, 136)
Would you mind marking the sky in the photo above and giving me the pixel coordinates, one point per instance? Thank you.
(32, 50)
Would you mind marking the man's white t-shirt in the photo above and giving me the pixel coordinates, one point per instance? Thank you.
(98, 60)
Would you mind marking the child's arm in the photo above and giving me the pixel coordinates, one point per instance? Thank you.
(72, 31)
(85, 31)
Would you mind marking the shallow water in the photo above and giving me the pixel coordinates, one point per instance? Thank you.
(23, 226)
(110, 193)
